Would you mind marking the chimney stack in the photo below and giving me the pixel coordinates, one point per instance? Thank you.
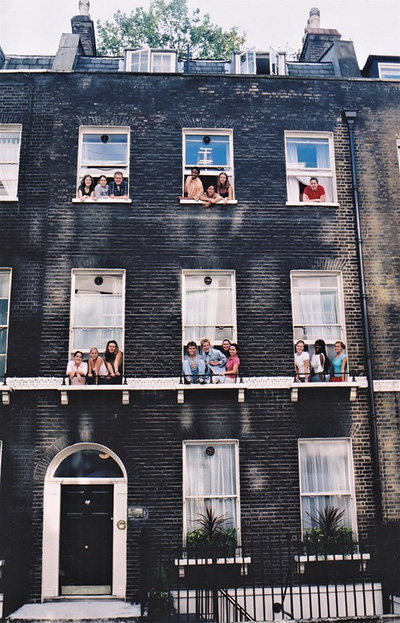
(83, 26)
(316, 40)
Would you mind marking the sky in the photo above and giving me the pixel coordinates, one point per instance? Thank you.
(35, 26)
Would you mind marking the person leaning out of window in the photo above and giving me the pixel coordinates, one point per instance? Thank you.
(77, 369)
(339, 363)
(210, 197)
(113, 360)
(97, 369)
(101, 189)
(86, 188)
(118, 189)
(232, 365)
(193, 186)
(314, 192)
(224, 188)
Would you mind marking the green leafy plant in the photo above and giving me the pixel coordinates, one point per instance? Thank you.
(328, 535)
(161, 602)
(211, 539)
(168, 24)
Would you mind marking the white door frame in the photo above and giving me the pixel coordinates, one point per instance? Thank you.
(51, 521)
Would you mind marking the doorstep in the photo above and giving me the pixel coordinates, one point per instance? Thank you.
(83, 610)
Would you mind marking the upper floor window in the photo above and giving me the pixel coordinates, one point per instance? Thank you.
(209, 305)
(317, 308)
(10, 143)
(310, 155)
(104, 151)
(97, 309)
(389, 71)
(211, 151)
(211, 481)
(5, 290)
(326, 480)
(153, 61)
(398, 151)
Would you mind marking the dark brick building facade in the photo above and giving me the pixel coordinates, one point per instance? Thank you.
(264, 238)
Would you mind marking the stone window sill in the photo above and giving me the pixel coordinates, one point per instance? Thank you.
(194, 202)
(103, 201)
(325, 204)
(9, 199)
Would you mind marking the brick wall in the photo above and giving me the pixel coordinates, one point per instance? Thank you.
(45, 235)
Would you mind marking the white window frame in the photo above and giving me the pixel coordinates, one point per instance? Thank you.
(17, 128)
(151, 53)
(341, 308)
(383, 67)
(205, 443)
(104, 169)
(211, 273)
(319, 173)
(7, 326)
(100, 272)
(246, 62)
(351, 491)
(212, 171)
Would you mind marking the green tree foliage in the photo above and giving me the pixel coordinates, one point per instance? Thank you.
(167, 24)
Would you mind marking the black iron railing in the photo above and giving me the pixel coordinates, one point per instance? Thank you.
(266, 578)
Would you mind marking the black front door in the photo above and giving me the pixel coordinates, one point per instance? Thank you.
(86, 536)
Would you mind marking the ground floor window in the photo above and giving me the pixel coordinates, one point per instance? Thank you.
(211, 485)
(326, 481)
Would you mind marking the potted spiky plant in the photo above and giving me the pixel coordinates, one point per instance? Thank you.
(211, 538)
(328, 535)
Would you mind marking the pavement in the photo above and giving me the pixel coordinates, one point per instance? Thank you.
(77, 610)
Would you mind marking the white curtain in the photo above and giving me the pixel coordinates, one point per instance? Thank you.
(294, 180)
(324, 478)
(9, 150)
(316, 311)
(210, 481)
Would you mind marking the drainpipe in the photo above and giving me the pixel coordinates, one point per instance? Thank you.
(350, 117)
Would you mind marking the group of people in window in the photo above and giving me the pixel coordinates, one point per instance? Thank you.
(221, 192)
(211, 365)
(96, 370)
(118, 188)
(319, 369)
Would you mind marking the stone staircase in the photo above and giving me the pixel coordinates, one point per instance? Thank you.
(77, 611)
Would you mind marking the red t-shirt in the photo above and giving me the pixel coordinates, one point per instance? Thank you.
(314, 194)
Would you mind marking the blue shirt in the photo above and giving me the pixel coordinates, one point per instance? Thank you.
(214, 355)
(118, 191)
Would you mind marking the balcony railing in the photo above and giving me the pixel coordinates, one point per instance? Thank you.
(129, 384)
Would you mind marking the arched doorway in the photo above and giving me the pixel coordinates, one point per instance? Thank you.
(84, 523)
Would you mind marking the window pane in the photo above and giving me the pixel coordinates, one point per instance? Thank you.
(220, 507)
(311, 506)
(210, 475)
(324, 468)
(4, 284)
(84, 339)
(88, 464)
(3, 311)
(2, 365)
(9, 146)
(214, 153)
(211, 482)
(3, 341)
(104, 148)
(316, 309)
(308, 153)
(98, 310)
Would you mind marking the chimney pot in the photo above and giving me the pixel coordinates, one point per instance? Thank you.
(84, 6)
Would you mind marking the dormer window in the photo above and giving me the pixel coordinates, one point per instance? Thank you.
(389, 71)
(148, 60)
